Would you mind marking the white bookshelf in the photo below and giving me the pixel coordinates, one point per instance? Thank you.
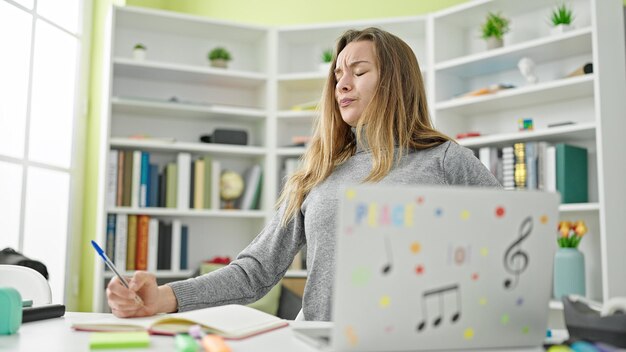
(593, 103)
(174, 93)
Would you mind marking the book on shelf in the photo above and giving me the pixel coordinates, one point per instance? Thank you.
(571, 173)
(531, 165)
(144, 179)
(164, 251)
(136, 179)
(120, 178)
(141, 255)
(153, 186)
(216, 172)
(183, 180)
(171, 179)
(153, 244)
(251, 194)
(175, 247)
(229, 321)
(184, 247)
(208, 182)
(121, 240)
(198, 184)
(131, 246)
(128, 178)
(110, 239)
(111, 179)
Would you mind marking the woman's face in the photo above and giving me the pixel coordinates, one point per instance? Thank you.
(357, 78)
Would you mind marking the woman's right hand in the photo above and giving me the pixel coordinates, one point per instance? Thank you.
(124, 301)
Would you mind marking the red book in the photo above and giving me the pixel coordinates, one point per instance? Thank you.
(141, 257)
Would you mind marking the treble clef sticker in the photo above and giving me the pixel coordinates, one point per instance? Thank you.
(516, 259)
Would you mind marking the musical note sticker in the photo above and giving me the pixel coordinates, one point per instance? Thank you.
(515, 258)
(439, 294)
(389, 256)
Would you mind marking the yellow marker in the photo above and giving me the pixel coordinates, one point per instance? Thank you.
(350, 194)
(351, 336)
(484, 251)
(468, 334)
(505, 319)
(385, 301)
(543, 219)
(465, 214)
(416, 247)
(483, 301)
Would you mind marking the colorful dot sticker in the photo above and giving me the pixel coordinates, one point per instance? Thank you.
(520, 301)
(384, 301)
(484, 251)
(504, 319)
(349, 230)
(525, 330)
(500, 212)
(361, 276)
(350, 193)
(416, 247)
(438, 212)
(468, 334)
(419, 269)
(465, 214)
(351, 336)
(482, 301)
(420, 200)
(389, 329)
(543, 219)
(475, 276)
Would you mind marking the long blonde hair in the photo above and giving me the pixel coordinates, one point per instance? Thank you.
(397, 119)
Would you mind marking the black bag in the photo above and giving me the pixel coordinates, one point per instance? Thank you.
(12, 257)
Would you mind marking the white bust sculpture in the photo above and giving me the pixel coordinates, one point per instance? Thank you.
(527, 68)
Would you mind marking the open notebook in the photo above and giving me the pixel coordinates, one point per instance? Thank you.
(229, 321)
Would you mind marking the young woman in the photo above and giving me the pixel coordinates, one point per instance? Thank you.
(373, 127)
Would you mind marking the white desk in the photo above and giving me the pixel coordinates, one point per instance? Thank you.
(57, 335)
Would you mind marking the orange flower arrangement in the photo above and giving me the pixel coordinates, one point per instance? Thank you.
(571, 233)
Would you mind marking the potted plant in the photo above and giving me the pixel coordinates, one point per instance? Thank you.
(561, 18)
(569, 262)
(494, 28)
(139, 52)
(219, 57)
(327, 58)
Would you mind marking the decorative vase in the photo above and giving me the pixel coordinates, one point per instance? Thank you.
(494, 43)
(139, 54)
(220, 63)
(569, 272)
(561, 28)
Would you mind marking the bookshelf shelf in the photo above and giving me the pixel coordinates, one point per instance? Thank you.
(317, 76)
(579, 207)
(220, 149)
(542, 49)
(290, 115)
(251, 214)
(188, 74)
(541, 93)
(166, 109)
(293, 151)
(581, 131)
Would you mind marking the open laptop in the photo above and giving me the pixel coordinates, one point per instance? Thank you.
(433, 268)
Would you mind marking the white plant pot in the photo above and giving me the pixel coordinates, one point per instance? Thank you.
(494, 43)
(561, 28)
(324, 67)
(219, 63)
(139, 54)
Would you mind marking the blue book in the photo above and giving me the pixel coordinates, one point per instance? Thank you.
(184, 247)
(153, 186)
(145, 176)
(110, 244)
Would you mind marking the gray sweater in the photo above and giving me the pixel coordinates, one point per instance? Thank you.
(264, 262)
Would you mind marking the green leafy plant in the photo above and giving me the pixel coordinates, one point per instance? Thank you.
(219, 53)
(562, 15)
(139, 46)
(327, 55)
(495, 26)
(571, 233)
